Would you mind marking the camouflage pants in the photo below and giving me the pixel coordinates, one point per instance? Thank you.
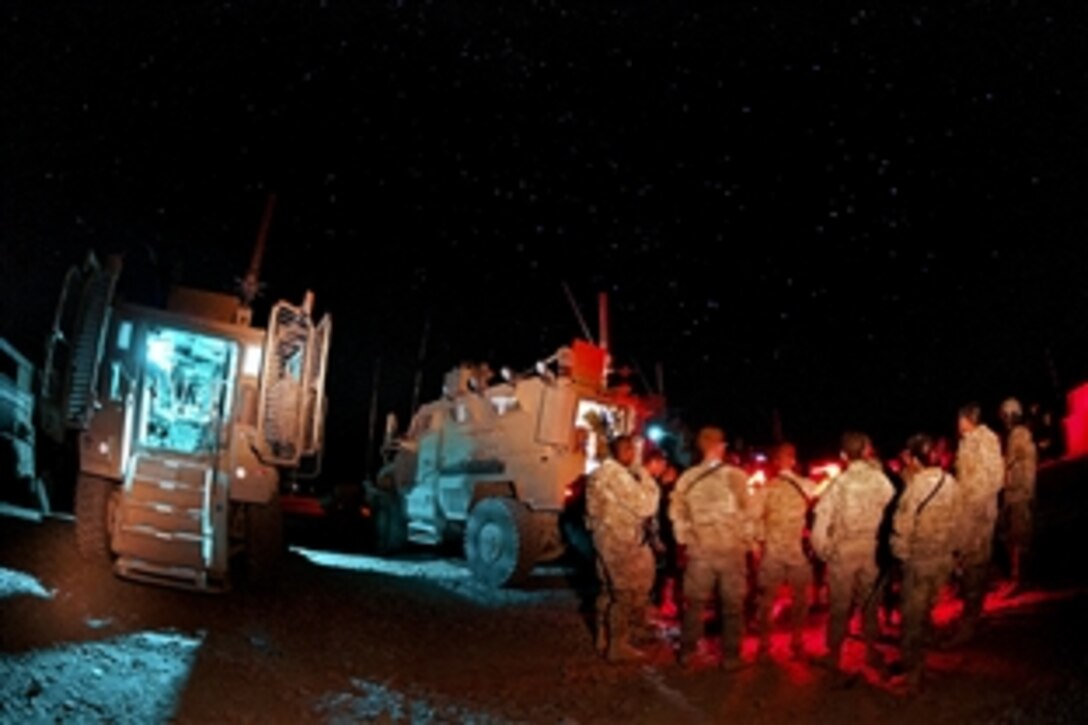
(976, 568)
(627, 575)
(976, 580)
(851, 580)
(706, 573)
(976, 555)
(922, 582)
(1018, 520)
(772, 573)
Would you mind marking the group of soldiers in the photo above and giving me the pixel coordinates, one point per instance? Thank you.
(935, 522)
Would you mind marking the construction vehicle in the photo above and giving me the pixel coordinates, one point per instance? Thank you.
(493, 466)
(187, 421)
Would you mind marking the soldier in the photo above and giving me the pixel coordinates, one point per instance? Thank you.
(844, 534)
(620, 497)
(1019, 492)
(925, 533)
(980, 471)
(660, 528)
(779, 529)
(710, 519)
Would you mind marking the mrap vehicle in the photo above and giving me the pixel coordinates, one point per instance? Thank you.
(493, 465)
(186, 421)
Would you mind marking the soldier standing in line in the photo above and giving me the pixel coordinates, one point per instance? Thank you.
(980, 470)
(620, 498)
(1018, 496)
(661, 537)
(925, 533)
(780, 528)
(847, 522)
(710, 517)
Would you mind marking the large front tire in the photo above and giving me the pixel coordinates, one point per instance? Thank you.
(92, 509)
(500, 542)
(390, 522)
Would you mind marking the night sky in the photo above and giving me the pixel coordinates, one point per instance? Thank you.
(862, 216)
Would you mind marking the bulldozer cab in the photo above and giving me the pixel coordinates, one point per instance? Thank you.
(184, 366)
(186, 391)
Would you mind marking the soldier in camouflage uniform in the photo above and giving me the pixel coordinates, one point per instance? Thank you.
(620, 497)
(779, 529)
(710, 518)
(925, 534)
(980, 471)
(1020, 463)
(844, 534)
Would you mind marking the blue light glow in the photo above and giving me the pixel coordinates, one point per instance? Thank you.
(15, 583)
(655, 433)
(136, 677)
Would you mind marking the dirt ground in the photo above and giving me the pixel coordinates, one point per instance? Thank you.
(346, 637)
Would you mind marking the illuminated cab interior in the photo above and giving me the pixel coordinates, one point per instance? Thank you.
(187, 391)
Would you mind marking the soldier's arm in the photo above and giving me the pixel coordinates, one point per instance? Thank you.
(903, 523)
(810, 487)
(759, 515)
(593, 505)
(822, 487)
(738, 483)
(1021, 458)
(595, 492)
(889, 489)
(1012, 451)
(971, 468)
(995, 469)
(645, 496)
(957, 513)
(963, 462)
(678, 511)
(820, 536)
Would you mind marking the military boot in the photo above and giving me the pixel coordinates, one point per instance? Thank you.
(623, 651)
(828, 661)
(875, 659)
(964, 633)
(643, 630)
(620, 648)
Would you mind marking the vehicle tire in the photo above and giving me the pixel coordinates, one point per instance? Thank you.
(264, 542)
(92, 514)
(500, 543)
(390, 522)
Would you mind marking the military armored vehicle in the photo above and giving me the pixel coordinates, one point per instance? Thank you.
(492, 464)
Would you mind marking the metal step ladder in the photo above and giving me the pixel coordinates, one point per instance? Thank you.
(87, 346)
(163, 529)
